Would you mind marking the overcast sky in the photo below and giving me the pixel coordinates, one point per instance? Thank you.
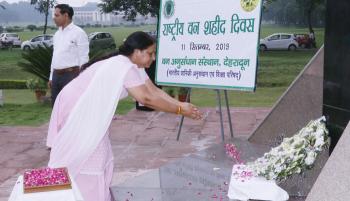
(71, 2)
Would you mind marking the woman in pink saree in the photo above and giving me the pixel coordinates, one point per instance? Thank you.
(83, 111)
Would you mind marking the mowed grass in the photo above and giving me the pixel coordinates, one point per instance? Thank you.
(9, 58)
(19, 96)
(22, 108)
(33, 114)
(262, 97)
(119, 33)
(8, 65)
(277, 69)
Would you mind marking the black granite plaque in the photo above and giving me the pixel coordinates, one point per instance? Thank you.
(336, 99)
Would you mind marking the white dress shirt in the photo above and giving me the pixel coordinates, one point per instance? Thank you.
(70, 48)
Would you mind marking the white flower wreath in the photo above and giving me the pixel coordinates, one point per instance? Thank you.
(294, 154)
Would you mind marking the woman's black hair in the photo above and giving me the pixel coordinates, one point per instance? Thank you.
(137, 40)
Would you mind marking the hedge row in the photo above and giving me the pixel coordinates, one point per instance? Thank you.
(13, 84)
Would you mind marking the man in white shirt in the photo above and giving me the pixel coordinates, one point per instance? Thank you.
(70, 50)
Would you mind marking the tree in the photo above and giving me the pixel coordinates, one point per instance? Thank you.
(266, 3)
(131, 8)
(43, 6)
(31, 27)
(308, 7)
(283, 12)
(287, 12)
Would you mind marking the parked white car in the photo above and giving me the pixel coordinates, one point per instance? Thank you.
(282, 41)
(11, 37)
(41, 40)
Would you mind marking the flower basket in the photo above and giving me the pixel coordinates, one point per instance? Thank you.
(46, 179)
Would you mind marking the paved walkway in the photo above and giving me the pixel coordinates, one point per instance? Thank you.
(141, 141)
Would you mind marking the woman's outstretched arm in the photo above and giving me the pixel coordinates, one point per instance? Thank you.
(161, 101)
(154, 89)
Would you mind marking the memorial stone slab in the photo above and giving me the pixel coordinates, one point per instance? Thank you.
(198, 177)
(333, 183)
(301, 103)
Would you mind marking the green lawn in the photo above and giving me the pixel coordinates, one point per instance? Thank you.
(119, 33)
(21, 108)
(19, 96)
(9, 59)
(277, 69)
(33, 114)
(262, 97)
(8, 65)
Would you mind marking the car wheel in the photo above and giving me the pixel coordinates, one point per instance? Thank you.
(26, 48)
(262, 48)
(292, 47)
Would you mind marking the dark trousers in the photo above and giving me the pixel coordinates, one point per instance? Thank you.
(59, 80)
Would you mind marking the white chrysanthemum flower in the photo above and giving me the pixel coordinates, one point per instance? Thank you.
(319, 143)
(310, 158)
(293, 153)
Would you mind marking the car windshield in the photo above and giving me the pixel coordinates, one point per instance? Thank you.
(48, 37)
(91, 35)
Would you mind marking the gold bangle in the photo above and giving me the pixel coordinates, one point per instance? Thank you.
(179, 110)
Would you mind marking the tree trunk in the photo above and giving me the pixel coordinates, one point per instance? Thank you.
(308, 15)
(309, 21)
(45, 26)
(46, 14)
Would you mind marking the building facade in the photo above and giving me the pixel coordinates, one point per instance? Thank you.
(84, 17)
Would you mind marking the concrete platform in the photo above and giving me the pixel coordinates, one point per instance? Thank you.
(141, 142)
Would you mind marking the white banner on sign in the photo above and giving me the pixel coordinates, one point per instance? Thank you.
(208, 44)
